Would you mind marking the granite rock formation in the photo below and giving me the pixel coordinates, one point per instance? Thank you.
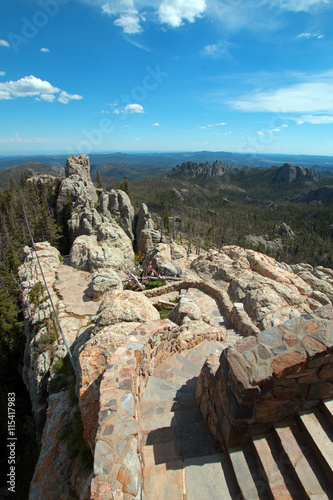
(289, 173)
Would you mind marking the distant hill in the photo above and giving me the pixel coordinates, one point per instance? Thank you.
(30, 169)
(140, 166)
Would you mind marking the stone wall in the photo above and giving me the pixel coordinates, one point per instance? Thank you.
(234, 312)
(266, 379)
(117, 462)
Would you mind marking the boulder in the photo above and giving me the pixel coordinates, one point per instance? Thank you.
(103, 281)
(148, 239)
(125, 306)
(186, 308)
(109, 248)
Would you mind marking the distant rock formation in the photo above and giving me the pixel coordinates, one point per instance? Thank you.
(289, 173)
(192, 170)
(285, 231)
(323, 194)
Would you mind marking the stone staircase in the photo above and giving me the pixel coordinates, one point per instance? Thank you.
(294, 460)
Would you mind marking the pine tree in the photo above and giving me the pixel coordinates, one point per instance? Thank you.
(99, 180)
(124, 186)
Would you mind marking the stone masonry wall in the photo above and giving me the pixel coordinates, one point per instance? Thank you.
(117, 455)
(234, 312)
(266, 379)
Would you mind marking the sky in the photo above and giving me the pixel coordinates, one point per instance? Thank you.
(86, 76)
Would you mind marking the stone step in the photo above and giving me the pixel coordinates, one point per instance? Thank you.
(248, 474)
(208, 347)
(194, 356)
(164, 481)
(305, 464)
(320, 435)
(158, 389)
(275, 468)
(327, 407)
(210, 478)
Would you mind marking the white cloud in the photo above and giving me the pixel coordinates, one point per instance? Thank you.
(174, 12)
(30, 86)
(314, 119)
(129, 19)
(116, 112)
(4, 43)
(216, 51)
(156, 125)
(130, 23)
(299, 5)
(213, 125)
(45, 50)
(309, 97)
(18, 139)
(133, 108)
(316, 34)
(270, 132)
(2, 73)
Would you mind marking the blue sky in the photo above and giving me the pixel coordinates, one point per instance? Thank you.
(83, 76)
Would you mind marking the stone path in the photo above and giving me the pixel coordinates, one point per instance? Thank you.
(208, 306)
(293, 461)
(71, 285)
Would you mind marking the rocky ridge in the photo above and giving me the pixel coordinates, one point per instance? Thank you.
(116, 336)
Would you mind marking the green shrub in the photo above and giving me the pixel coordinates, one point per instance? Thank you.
(36, 292)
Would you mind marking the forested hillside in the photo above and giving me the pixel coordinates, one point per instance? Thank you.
(14, 234)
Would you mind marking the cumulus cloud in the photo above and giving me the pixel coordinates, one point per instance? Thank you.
(128, 20)
(156, 124)
(30, 86)
(4, 43)
(133, 108)
(308, 97)
(174, 12)
(44, 49)
(2, 73)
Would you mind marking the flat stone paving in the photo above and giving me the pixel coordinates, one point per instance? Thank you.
(71, 286)
(180, 459)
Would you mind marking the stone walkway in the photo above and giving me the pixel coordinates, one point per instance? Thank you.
(180, 460)
(208, 306)
(71, 285)
(293, 461)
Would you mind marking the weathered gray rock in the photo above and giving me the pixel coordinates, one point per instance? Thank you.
(149, 238)
(186, 308)
(76, 189)
(289, 173)
(264, 245)
(103, 281)
(167, 260)
(55, 472)
(78, 165)
(144, 220)
(118, 204)
(125, 306)
(110, 247)
(84, 220)
(285, 231)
